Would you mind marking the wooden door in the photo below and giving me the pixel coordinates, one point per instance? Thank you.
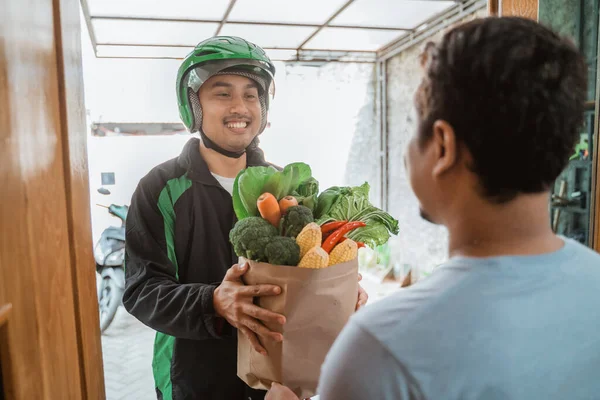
(523, 8)
(595, 225)
(46, 266)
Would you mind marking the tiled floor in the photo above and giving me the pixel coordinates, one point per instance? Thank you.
(127, 347)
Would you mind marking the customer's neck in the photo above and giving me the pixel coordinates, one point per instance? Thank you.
(519, 227)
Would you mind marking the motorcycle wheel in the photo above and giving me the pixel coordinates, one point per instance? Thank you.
(108, 301)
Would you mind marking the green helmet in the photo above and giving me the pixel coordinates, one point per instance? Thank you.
(221, 55)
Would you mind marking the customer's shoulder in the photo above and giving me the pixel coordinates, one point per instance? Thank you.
(404, 304)
(582, 251)
(420, 306)
(581, 262)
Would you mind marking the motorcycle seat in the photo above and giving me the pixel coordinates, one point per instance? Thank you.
(114, 232)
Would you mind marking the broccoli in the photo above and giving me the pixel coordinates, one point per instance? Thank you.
(250, 236)
(255, 249)
(282, 251)
(296, 218)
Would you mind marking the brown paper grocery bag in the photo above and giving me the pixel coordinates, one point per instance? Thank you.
(317, 303)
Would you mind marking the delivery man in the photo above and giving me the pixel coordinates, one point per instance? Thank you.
(178, 257)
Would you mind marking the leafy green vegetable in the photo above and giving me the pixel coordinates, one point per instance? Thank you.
(282, 251)
(254, 181)
(247, 188)
(309, 202)
(374, 214)
(309, 187)
(287, 181)
(238, 205)
(307, 193)
(349, 202)
(326, 200)
(373, 235)
(352, 204)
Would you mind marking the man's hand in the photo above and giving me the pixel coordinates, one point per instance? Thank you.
(363, 297)
(233, 301)
(280, 392)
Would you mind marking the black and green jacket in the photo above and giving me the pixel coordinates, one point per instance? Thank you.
(177, 252)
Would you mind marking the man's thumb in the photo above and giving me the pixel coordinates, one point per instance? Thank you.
(237, 271)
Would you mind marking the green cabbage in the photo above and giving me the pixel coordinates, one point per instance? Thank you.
(352, 204)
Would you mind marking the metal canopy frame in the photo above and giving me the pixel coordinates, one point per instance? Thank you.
(303, 53)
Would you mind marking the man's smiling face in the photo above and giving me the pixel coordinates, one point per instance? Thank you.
(231, 111)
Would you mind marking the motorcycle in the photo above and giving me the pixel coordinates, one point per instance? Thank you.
(109, 254)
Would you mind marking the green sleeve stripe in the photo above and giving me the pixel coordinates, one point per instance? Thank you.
(166, 202)
(161, 364)
(163, 344)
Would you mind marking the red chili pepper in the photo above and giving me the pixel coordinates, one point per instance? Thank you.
(332, 226)
(335, 237)
(359, 244)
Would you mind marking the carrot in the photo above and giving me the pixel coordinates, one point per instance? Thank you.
(269, 208)
(287, 202)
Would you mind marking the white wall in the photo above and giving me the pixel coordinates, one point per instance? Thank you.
(128, 90)
(130, 158)
(313, 119)
(420, 245)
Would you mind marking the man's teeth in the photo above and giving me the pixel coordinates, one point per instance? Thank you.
(237, 124)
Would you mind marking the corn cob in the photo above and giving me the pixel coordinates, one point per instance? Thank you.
(309, 237)
(344, 251)
(315, 258)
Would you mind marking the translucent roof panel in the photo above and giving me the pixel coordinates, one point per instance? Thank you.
(152, 32)
(192, 9)
(269, 35)
(281, 55)
(405, 14)
(352, 39)
(158, 28)
(299, 12)
(174, 52)
(143, 51)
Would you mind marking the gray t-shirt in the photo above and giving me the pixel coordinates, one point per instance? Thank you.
(518, 328)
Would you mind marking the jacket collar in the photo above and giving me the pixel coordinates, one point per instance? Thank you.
(191, 160)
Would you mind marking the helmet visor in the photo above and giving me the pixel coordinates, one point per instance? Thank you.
(200, 74)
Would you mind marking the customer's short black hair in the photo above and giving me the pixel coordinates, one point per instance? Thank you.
(514, 92)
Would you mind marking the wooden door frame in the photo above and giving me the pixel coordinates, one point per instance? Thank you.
(495, 8)
(50, 347)
(595, 189)
(75, 163)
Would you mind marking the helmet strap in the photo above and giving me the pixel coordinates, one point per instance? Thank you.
(213, 146)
